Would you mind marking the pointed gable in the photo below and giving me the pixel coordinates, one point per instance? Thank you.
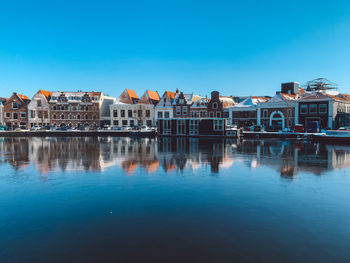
(47, 94)
(129, 97)
(149, 97)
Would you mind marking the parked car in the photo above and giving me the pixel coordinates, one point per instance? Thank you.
(82, 128)
(64, 128)
(35, 128)
(344, 128)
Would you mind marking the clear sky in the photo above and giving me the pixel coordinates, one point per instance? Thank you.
(235, 47)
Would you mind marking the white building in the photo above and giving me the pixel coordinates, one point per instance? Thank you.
(130, 111)
(1, 113)
(39, 109)
(244, 114)
(164, 108)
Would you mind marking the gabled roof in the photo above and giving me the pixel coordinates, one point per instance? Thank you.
(47, 94)
(132, 94)
(171, 95)
(23, 97)
(227, 101)
(323, 96)
(153, 95)
(201, 103)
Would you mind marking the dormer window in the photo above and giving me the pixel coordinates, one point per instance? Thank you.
(14, 105)
(215, 105)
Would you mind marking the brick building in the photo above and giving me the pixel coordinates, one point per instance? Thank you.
(15, 111)
(75, 109)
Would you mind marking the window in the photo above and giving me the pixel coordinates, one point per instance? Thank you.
(149, 123)
(54, 107)
(115, 113)
(62, 117)
(78, 117)
(194, 124)
(218, 125)
(130, 113)
(86, 108)
(218, 114)
(323, 108)
(125, 123)
(116, 123)
(160, 114)
(181, 101)
(32, 114)
(46, 115)
(132, 124)
(215, 105)
(86, 117)
(178, 110)
(122, 113)
(148, 113)
(40, 114)
(14, 105)
(211, 114)
(15, 115)
(313, 108)
(181, 127)
(7, 115)
(265, 114)
(184, 110)
(166, 114)
(303, 109)
(54, 117)
(70, 116)
(139, 113)
(95, 97)
(166, 124)
(38, 103)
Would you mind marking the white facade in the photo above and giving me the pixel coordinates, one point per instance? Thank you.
(281, 107)
(39, 110)
(105, 112)
(164, 108)
(1, 113)
(130, 115)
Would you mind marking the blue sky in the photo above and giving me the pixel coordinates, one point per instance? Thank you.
(235, 47)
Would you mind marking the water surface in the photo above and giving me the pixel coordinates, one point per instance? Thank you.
(173, 200)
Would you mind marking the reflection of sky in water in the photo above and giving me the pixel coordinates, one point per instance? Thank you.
(69, 199)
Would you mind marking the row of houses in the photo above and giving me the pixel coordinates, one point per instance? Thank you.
(294, 105)
(178, 112)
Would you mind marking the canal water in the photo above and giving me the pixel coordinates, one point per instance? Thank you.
(173, 200)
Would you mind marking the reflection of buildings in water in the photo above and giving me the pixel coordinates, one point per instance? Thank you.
(171, 154)
(15, 152)
(193, 153)
(289, 157)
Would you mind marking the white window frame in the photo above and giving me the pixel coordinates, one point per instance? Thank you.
(218, 125)
(313, 106)
(194, 125)
(178, 110)
(304, 106)
(325, 107)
